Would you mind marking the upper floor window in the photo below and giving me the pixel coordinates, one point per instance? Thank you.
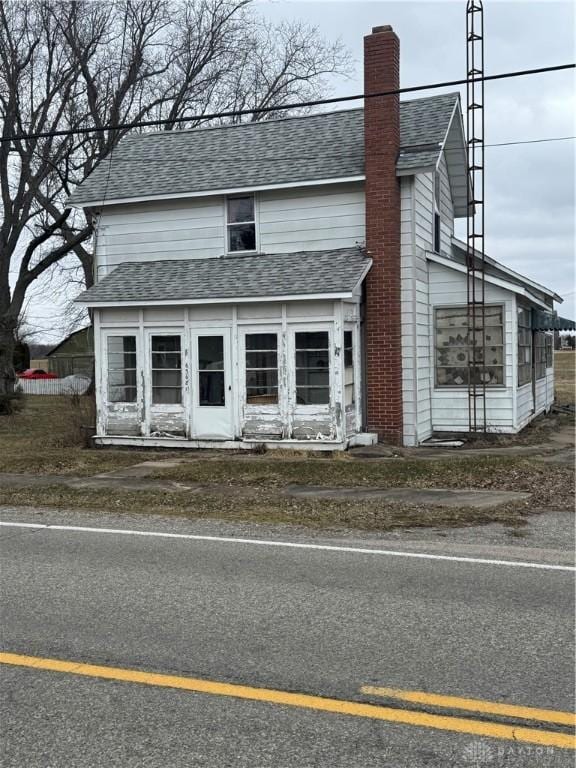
(240, 224)
(456, 353)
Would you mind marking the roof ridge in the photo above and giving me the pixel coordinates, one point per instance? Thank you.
(342, 110)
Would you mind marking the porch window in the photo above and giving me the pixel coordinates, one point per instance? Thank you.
(454, 348)
(312, 368)
(261, 368)
(166, 370)
(549, 351)
(349, 398)
(524, 346)
(121, 369)
(241, 223)
(540, 354)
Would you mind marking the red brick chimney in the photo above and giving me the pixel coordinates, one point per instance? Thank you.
(381, 147)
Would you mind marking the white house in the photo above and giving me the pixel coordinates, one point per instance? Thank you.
(298, 281)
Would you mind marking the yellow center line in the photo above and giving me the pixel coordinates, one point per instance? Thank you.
(302, 701)
(473, 705)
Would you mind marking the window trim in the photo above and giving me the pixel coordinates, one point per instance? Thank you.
(311, 328)
(261, 331)
(108, 334)
(247, 330)
(530, 346)
(151, 332)
(228, 224)
(464, 387)
(539, 350)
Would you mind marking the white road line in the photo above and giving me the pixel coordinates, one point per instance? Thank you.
(290, 545)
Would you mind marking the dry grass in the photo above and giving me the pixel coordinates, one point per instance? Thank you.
(565, 377)
(46, 437)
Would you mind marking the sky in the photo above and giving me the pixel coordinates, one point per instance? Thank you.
(530, 188)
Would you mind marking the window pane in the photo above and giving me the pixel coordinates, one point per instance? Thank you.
(165, 343)
(261, 359)
(310, 377)
(261, 341)
(169, 360)
(261, 379)
(262, 396)
(457, 351)
(348, 357)
(167, 395)
(211, 386)
(311, 359)
(240, 209)
(166, 378)
(309, 340)
(242, 237)
(211, 353)
(121, 369)
(312, 396)
(261, 368)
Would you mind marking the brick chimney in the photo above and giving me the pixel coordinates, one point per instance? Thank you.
(382, 189)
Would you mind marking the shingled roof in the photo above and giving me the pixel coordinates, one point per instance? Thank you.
(251, 155)
(305, 273)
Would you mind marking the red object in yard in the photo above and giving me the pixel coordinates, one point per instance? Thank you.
(36, 373)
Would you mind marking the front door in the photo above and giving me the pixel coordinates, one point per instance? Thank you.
(212, 411)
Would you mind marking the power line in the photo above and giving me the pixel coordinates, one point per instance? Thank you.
(283, 107)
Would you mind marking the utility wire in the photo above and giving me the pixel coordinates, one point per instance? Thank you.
(282, 107)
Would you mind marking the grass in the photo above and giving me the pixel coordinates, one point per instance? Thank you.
(47, 437)
(565, 377)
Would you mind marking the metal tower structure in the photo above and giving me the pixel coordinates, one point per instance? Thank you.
(475, 260)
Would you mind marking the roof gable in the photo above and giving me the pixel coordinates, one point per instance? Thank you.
(317, 147)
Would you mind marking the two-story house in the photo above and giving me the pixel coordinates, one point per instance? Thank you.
(297, 281)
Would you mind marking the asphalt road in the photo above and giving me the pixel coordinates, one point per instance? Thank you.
(305, 620)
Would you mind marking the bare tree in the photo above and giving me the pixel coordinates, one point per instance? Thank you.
(74, 65)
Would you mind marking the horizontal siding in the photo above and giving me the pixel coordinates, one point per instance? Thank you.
(311, 219)
(184, 229)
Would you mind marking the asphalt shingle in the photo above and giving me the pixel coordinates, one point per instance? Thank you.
(232, 277)
(314, 147)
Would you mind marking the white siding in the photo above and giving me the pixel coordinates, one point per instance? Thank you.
(446, 209)
(450, 404)
(415, 239)
(312, 218)
(175, 229)
(316, 219)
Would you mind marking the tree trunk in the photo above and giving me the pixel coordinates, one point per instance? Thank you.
(7, 346)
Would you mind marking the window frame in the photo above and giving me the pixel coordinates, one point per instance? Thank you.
(110, 334)
(464, 387)
(352, 405)
(262, 331)
(549, 347)
(169, 406)
(530, 364)
(539, 353)
(228, 224)
(312, 328)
